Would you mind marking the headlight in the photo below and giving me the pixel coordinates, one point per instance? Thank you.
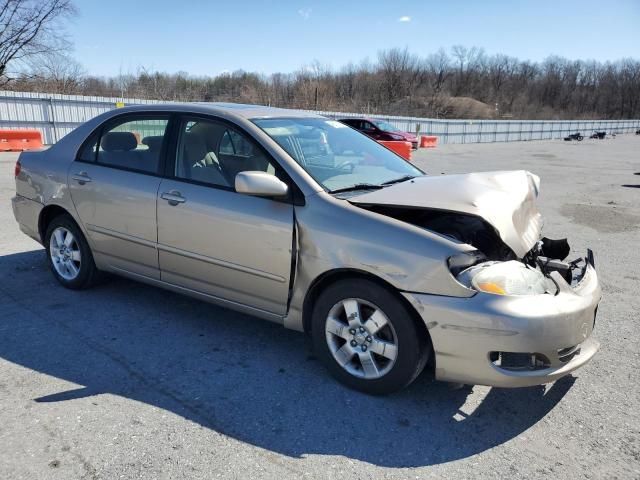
(396, 137)
(506, 278)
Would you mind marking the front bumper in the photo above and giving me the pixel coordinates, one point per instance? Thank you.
(466, 333)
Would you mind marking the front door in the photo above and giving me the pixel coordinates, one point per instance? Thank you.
(214, 240)
(114, 185)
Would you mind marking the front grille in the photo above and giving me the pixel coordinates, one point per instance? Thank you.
(566, 354)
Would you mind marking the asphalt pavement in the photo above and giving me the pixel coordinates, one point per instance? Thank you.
(131, 381)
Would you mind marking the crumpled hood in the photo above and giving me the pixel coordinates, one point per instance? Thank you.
(506, 200)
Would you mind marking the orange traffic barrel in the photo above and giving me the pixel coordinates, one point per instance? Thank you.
(428, 141)
(20, 140)
(400, 147)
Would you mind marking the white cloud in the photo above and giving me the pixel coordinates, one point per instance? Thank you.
(305, 13)
(405, 19)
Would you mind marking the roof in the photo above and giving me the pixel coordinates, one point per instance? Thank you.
(227, 109)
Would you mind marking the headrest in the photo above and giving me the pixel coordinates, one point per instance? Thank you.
(153, 142)
(194, 146)
(119, 142)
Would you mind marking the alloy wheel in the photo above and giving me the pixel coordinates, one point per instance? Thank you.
(64, 251)
(361, 338)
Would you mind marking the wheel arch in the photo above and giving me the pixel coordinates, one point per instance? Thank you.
(331, 276)
(47, 214)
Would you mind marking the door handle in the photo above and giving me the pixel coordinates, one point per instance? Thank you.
(173, 197)
(81, 178)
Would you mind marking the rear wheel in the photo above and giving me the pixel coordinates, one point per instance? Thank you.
(367, 338)
(68, 254)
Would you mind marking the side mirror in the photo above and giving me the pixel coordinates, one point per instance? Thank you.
(260, 184)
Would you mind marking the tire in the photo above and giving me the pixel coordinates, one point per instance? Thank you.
(387, 351)
(69, 258)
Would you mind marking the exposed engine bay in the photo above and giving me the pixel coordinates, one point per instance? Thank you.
(546, 256)
(463, 227)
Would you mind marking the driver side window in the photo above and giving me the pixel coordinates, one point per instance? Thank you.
(213, 153)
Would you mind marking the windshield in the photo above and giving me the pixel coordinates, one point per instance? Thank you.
(336, 156)
(386, 126)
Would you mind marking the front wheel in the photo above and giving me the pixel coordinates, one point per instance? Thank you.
(367, 337)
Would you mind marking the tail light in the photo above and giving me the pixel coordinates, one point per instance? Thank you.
(17, 169)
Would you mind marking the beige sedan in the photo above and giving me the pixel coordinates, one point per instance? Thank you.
(306, 222)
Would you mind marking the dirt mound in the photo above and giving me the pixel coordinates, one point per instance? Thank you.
(467, 107)
(442, 107)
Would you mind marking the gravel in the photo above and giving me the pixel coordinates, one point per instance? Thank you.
(130, 381)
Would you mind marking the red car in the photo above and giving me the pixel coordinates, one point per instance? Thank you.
(380, 130)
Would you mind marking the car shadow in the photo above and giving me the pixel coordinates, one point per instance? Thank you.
(240, 376)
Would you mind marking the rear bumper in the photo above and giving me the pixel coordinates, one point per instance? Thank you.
(27, 214)
(467, 332)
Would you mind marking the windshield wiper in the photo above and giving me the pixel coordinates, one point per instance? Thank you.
(399, 180)
(357, 186)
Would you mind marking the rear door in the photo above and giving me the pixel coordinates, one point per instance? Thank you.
(114, 185)
(214, 240)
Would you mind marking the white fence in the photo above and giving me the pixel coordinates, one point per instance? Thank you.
(56, 115)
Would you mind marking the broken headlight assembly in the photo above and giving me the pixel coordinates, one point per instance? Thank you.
(506, 278)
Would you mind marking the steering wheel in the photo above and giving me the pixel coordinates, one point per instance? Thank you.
(347, 165)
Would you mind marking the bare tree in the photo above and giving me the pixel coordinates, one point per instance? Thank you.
(438, 66)
(29, 28)
(57, 73)
(399, 70)
(464, 83)
(470, 62)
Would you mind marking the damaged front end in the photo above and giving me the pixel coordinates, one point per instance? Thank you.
(462, 227)
(531, 314)
(494, 267)
(494, 212)
(543, 269)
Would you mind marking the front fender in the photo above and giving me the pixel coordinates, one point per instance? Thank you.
(333, 235)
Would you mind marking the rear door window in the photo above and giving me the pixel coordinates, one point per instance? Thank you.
(133, 143)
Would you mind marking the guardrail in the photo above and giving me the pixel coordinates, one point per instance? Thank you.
(56, 115)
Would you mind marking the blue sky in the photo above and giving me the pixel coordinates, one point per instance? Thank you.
(209, 37)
